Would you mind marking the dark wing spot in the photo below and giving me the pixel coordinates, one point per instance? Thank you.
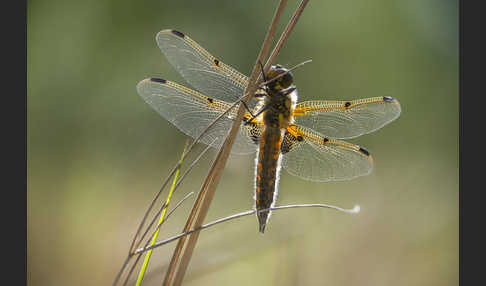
(210, 100)
(154, 79)
(364, 151)
(387, 98)
(288, 142)
(300, 138)
(216, 62)
(326, 140)
(177, 33)
(347, 104)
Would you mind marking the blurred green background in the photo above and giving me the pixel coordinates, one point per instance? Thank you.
(97, 152)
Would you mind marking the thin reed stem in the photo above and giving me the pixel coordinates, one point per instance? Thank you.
(285, 35)
(356, 209)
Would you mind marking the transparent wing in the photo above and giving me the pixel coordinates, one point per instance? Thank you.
(192, 112)
(314, 157)
(200, 69)
(347, 119)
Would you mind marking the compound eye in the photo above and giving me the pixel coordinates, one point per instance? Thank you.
(282, 82)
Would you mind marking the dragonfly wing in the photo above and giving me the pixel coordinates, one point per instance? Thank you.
(314, 157)
(200, 69)
(347, 119)
(192, 112)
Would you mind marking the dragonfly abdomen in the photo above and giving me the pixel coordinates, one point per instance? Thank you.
(267, 173)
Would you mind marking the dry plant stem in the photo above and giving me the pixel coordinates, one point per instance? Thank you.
(180, 244)
(125, 263)
(242, 214)
(148, 240)
(285, 34)
(211, 181)
(213, 178)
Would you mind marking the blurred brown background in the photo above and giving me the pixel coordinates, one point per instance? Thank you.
(97, 152)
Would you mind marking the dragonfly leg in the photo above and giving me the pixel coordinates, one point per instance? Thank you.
(247, 108)
(256, 115)
(263, 71)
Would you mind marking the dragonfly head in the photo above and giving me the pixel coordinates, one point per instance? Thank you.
(282, 82)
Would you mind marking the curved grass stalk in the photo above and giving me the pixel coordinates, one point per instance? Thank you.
(354, 210)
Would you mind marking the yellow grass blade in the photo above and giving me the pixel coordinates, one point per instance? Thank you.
(162, 215)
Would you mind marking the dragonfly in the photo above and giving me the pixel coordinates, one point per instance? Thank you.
(304, 138)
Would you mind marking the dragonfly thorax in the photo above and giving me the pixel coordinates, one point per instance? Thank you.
(281, 98)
